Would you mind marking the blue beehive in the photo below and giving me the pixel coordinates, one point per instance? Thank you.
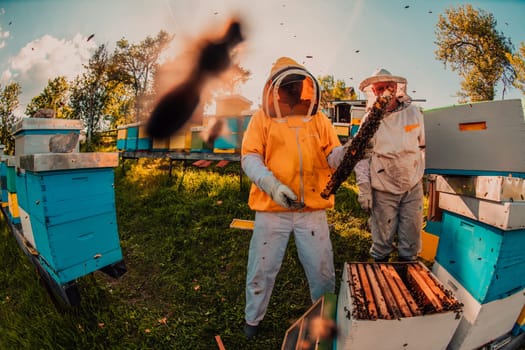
(488, 262)
(132, 137)
(137, 138)
(3, 181)
(71, 207)
(122, 133)
(235, 126)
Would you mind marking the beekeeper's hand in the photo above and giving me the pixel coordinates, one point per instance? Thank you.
(365, 196)
(281, 194)
(336, 156)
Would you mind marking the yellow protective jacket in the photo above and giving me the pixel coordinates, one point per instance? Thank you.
(292, 147)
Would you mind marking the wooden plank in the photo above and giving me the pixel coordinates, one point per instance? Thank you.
(378, 295)
(420, 284)
(387, 292)
(356, 290)
(222, 163)
(369, 296)
(203, 163)
(398, 295)
(242, 224)
(219, 342)
(404, 291)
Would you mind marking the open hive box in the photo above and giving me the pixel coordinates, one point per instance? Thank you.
(394, 306)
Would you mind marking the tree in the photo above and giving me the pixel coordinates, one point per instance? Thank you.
(93, 93)
(517, 61)
(332, 89)
(468, 41)
(8, 103)
(55, 96)
(136, 65)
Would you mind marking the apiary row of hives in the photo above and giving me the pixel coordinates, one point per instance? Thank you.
(231, 119)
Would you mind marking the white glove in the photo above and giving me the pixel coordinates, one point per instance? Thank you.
(365, 196)
(281, 194)
(336, 156)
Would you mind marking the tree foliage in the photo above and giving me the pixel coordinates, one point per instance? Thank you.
(136, 65)
(55, 96)
(8, 103)
(94, 94)
(518, 63)
(469, 42)
(332, 89)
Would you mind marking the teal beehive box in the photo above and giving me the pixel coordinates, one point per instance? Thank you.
(144, 141)
(137, 139)
(3, 180)
(487, 261)
(122, 133)
(71, 209)
(132, 137)
(232, 136)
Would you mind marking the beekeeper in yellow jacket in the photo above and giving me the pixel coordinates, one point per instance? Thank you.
(390, 178)
(289, 150)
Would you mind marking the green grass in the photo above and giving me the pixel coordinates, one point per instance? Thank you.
(186, 270)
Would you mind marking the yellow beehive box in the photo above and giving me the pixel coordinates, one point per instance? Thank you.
(160, 144)
(142, 131)
(122, 134)
(181, 140)
(429, 245)
(12, 201)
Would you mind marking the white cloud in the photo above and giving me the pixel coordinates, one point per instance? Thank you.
(45, 59)
(4, 35)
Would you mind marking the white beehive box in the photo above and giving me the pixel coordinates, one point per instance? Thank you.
(481, 323)
(503, 215)
(486, 137)
(32, 135)
(494, 188)
(381, 311)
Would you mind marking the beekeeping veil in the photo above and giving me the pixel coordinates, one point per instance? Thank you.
(383, 75)
(290, 90)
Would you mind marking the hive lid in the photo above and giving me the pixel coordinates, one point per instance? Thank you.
(46, 124)
(67, 161)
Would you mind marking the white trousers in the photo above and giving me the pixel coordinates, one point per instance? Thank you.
(267, 248)
(400, 214)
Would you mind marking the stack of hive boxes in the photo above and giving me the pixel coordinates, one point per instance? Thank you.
(66, 200)
(476, 154)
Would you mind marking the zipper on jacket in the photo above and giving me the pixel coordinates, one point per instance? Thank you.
(301, 180)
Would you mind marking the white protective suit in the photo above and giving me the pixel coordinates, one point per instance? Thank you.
(289, 151)
(392, 175)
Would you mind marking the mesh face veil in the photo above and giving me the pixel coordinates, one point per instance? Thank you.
(383, 75)
(291, 91)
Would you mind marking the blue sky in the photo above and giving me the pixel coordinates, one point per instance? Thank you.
(42, 39)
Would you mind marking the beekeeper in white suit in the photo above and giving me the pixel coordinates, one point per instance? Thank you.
(390, 177)
(289, 151)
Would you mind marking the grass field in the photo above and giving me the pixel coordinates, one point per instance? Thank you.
(186, 270)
